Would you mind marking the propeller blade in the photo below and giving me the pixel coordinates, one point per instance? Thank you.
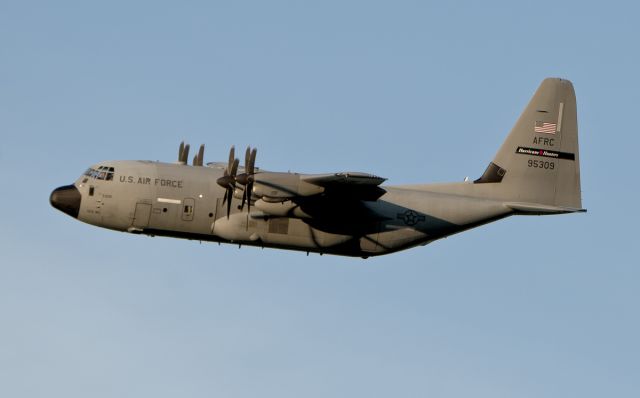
(247, 155)
(199, 158)
(234, 168)
(185, 154)
(229, 203)
(252, 161)
(248, 190)
(180, 150)
(251, 172)
(244, 197)
(232, 157)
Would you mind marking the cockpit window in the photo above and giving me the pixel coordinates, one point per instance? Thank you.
(101, 173)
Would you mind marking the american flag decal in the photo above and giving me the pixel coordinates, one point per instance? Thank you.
(544, 127)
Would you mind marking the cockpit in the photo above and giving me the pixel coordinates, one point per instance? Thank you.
(101, 173)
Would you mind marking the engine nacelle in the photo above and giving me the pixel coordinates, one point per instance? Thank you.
(238, 193)
(281, 209)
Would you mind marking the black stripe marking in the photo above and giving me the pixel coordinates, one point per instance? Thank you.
(545, 153)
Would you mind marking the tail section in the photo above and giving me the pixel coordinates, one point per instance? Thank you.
(538, 163)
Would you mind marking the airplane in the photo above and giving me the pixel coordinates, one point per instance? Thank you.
(536, 171)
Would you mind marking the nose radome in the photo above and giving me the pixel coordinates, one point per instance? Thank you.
(66, 199)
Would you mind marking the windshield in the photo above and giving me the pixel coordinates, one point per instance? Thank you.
(101, 173)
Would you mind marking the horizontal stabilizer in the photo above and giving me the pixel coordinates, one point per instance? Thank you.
(540, 209)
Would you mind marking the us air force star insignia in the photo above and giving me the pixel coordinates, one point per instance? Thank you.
(410, 217)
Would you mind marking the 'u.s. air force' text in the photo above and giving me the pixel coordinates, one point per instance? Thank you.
(159, 182)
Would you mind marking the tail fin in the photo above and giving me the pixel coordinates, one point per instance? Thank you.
(538, 163)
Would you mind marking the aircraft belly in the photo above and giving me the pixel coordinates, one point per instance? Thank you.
(302, 235)
(277, 231)
(396, 239)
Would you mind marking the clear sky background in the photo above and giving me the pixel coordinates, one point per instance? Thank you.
(415, 91)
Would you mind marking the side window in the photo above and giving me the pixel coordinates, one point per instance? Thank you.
(91, 190)
(188, 207)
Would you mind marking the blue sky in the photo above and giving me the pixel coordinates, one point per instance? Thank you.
(413, 91)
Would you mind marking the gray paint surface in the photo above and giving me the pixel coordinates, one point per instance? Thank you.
(535, 171)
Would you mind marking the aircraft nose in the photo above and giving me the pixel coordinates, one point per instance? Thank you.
(66, 199)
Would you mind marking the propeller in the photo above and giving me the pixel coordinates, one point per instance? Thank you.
(183, 153)
(228, 180)
(246, 178)
(198, 159)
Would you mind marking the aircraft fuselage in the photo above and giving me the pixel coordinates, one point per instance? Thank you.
(183, 201)
(536, 171)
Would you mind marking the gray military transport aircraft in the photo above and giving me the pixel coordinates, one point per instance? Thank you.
(536, 171)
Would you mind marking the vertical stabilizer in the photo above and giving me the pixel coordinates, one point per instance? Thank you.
(539, 160)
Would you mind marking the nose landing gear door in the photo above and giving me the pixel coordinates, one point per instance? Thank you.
(188, 207)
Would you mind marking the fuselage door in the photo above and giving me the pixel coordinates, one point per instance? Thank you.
(141, 215)
(188, 208)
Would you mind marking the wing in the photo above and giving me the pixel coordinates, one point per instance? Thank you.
(279, 187)
(353, 185)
